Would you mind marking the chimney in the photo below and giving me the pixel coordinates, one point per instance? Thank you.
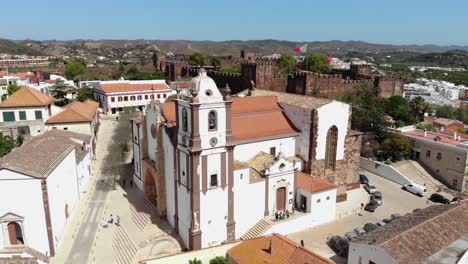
(270, 249)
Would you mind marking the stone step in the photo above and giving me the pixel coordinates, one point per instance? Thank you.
(257, 230)
(123, 247)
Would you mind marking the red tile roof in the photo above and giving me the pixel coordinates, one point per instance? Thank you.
(433, 136)
(26, 97)
(282, 251)
(76, 112)
(129, 87)
(261, 113)
(312, 184)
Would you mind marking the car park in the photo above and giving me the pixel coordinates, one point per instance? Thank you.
(370, 188)
(437, 198)
(369, 227)
(339, 245)
(415, 189)
(363, 179)
(360, 231)
(351, 235)
(377, 197)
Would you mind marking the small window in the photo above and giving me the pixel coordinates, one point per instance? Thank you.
(152, 96)
(208, 92)
(132, 98)
(212, 120)
(120, 98)
(65, 128)
(273, 151)
(159, 96)
(439, 155)
(428, 153)
(22, 115)
(146, 97)
(184, 120)
(455, 184)
(328, 197)
(139, 97)
(164, 95)
(125, 98)
(457, 161)
(214, 180)
(38, 115)
(112, 99)
(8, 116)
(318, 200)
(241, 176)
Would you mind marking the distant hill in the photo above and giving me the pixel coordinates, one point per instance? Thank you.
(10, 47)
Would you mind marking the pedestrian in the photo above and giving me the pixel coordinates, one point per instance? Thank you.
(276, 216)
(287, 213)
(117, 221)
(131, 183)
(302, 243)
(124, 183)
(293, 210)
(117, 118)
(111, 219)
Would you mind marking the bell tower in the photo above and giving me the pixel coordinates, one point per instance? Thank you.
(204, 160)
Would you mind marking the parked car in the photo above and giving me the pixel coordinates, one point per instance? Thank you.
(371, 206)
(437, 198)
(415, 189)
(370, 226)
(351, 235)
(457, 199)
(339, 245)
(395, 216)
(370, 188)
(360, 231)
(363, 179)
(381, 223)
(377, 197)
(387, 220)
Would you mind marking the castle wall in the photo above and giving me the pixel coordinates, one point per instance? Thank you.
(388, 86)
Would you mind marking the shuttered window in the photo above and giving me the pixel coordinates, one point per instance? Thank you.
(22, 115)
(38, 115)
(8, 116)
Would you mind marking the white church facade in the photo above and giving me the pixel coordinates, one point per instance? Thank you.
(216, 165)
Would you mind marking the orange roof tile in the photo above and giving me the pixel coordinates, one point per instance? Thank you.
(128, 87)
(283, 250)
(252, 104)
(26, 97)
(441, 138)
(312, 184)
(76, 112)
(3, 73)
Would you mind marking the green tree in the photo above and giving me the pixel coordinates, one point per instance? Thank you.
(395, 148)
(195, 261)
(462, 113)
(171, 98)
(12, 88)
(7, 143)
(219, 260)
(58, 90)
(418, 107)
(198, 58)
(317, 62)
(75, 69)
(446, 111)
(84, 93)
(216, 62)
(133, 70)
(287, 63)
(398, 107)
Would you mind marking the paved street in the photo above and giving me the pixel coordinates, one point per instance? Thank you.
(395, 200)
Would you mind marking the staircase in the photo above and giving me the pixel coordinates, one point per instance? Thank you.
(417, 174)
(141, 213)
(257, 230)
(123, 247)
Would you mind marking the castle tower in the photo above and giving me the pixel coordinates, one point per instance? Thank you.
(204, 162)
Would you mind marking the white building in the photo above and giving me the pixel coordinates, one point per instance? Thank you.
(215, 166)
(115, 96)
(40, 186)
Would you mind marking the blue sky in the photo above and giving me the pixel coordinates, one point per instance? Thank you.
(378, 21)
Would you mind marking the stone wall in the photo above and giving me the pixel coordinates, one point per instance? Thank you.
(388, 86)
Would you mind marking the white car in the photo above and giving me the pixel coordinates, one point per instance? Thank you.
(415, 189)
(370, 188)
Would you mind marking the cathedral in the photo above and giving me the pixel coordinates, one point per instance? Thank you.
(215, 165)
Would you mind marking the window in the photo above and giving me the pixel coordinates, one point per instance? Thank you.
(152, 96)
(455, 183)
(328, 197)
(22, 115)
(457, 161)
(112, 99)
(184, 120)
(65, 128)
(125, 98)
(241, 176)
(214, 180)
(146, 97)
(330, 154)
(159, 96)
(132, 98)
(439, 155)
(318, 200)
(212, 120)
(120, 98)
(164, 95)
(8, 116)
(139, 97)
(428, 153)
(38, 115)
(273, 151)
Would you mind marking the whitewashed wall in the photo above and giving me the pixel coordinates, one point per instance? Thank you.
(83, 172)
(384, 170)
(277, 181)
(30, 113)
(183, 200)
(30, 208)
(332, 114)
(244, 152)
(292, 226)
(325, 210)
(82, 128)
(62, 187)
(169, 174)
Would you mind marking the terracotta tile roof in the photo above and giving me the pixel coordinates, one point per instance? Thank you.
(248, 113)
(312, 184)
(305, 102)
(26, 97)
(40, 155)
(416, 236)
(128, 87)
(447, 122)
(76, 112)
(182, 84)
(283, 251)
(441, 138)
(3, 73)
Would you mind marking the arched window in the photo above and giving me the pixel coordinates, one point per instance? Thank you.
(330, 154)
(120, 98)
(184, 120)
(132, 98)
(212, 120)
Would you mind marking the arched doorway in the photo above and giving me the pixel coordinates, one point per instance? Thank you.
(281, 199)
(15, 233)
(150, 188)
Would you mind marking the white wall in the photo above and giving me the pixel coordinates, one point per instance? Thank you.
(29, 207)
(244, 152)
(62, 187)
(249, 201)
(325, 210)
(332, 114)
(359, 253)
(301, 119)
(30, 113)
(82, 128)
(137, 135)
(163, 94)
(384, 170)
(83, 172)
(169, 174)
(183, 200)
(292, 226)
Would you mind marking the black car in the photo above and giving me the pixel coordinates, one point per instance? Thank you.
(371, 206)
(363, 178)
(437, 198)
(370, 226)
(339, 245)
(457, 199)
(387, 220)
